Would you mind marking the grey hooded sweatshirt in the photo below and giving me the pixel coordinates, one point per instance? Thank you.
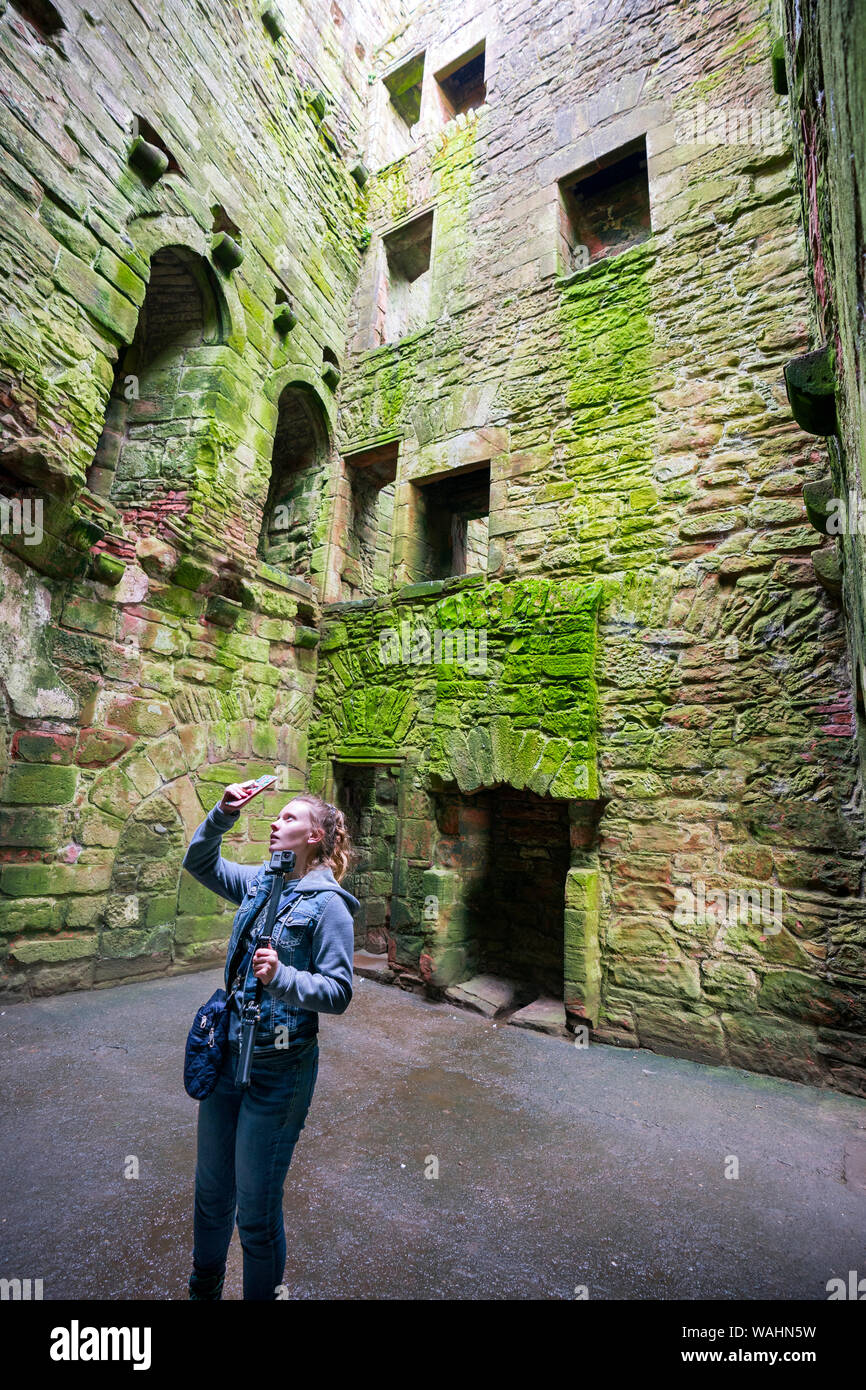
(327, 986)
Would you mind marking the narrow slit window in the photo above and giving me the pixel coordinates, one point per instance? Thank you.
(298, 484)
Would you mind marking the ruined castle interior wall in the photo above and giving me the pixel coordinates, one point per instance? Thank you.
(629, 400)
(149, 653)
(543, 347)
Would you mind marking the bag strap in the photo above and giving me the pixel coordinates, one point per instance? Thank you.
(266, 930)
(240, 948)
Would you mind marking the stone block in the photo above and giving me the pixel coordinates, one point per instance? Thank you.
(84, 911)
(97, 747)
(206, 927)
(486, 994)
(759, 1043)
(43, 748)
(116, 793)
(39, 784)
(35, 829)
(36, 880)
(148, 160)
(52, 949)
(44, 980)
(29, 915)
(810, 382)
(106, 305)
(543, 1015)
(677, 1033)
(125, 943)
(146, 717)
(729, 985)
(812, 1000)
(372, 967)
(167, 756)
(90, 616)
(94, 828)
(193, 898)
(677, 977)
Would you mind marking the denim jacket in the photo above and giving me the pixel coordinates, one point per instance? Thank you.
(313, 938)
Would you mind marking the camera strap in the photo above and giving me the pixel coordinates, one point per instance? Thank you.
(266, 930)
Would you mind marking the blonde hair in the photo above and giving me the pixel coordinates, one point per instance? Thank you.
(335, 850)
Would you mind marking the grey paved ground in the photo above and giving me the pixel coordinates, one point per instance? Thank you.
(558, 1166)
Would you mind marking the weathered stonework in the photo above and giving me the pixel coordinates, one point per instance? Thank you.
(149, 654)
(824, 56)
(660, 730)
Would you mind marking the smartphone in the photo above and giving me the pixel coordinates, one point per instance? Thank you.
(260, 784)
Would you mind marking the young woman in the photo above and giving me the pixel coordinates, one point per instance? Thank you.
(246, 1136)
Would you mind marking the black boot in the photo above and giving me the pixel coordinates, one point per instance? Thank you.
(206, 1287)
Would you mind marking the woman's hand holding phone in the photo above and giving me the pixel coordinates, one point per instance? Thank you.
(236, 796)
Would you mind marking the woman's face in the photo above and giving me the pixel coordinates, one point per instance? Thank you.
(292, 830)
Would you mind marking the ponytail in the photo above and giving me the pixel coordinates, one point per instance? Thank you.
(335, 850)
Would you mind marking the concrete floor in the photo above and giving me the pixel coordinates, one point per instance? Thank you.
(558, 1166)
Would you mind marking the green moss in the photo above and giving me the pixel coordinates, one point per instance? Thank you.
(607, 345)
(453, 167)
(418, 675)
(759, 31)
(705, 85)
(388, 192)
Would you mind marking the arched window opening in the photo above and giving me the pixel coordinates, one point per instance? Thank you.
(298, 477)
(159, 408)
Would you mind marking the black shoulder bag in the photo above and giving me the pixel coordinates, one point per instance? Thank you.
(208, 1038)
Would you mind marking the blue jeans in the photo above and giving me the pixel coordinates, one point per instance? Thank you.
(246, 1138)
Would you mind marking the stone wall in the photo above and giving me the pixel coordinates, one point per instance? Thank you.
(822, 66)
(666, 689)
(147, 654)
(635, 419)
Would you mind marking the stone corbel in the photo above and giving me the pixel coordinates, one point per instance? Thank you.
(817, 496)
(148, 161)
(810, 382)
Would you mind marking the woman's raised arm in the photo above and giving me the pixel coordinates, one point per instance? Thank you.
(203, 859)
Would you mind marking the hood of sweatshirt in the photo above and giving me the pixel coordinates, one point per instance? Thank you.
(323, 877)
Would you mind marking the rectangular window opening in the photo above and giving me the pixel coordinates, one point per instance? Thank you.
(404, 88)
(372, 475)
(605, 209)
(453, 518)
(404, 301)
(462, 85)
